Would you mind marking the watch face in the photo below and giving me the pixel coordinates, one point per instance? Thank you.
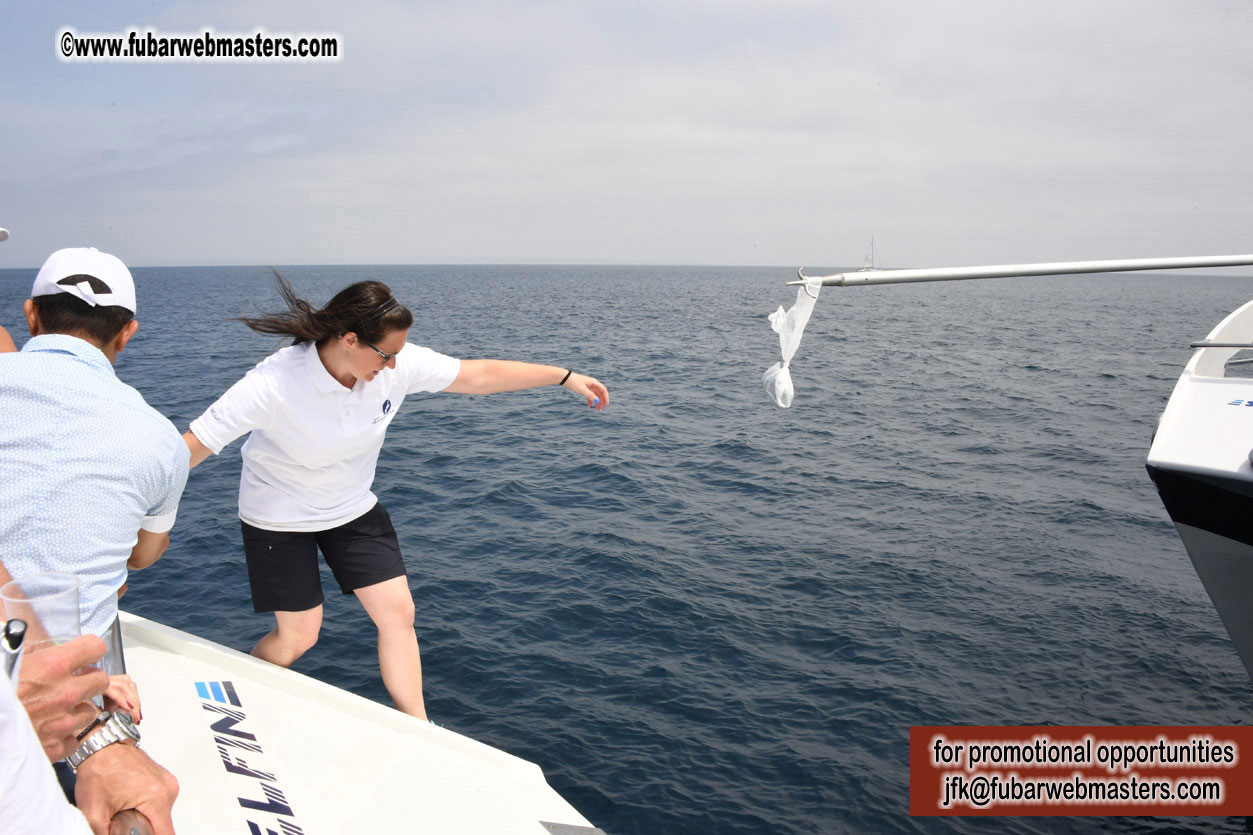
(124, 720)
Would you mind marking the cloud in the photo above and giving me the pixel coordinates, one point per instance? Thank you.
(731, 132)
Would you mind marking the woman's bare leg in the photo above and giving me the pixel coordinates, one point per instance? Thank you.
(293, 635)
(390, 606)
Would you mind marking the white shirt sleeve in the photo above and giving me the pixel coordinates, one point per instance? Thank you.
(425, 370)
(158, 524)
(243, 408)
(31, 800)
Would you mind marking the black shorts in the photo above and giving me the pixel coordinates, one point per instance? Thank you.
(283, 565)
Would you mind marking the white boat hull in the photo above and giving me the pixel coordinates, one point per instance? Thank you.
(261, 749)
(1225, 567)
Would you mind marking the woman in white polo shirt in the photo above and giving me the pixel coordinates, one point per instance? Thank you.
(317, 412)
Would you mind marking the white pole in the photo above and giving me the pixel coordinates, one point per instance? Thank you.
(861, 277)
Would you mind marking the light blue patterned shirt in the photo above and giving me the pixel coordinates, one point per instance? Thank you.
(83, 459)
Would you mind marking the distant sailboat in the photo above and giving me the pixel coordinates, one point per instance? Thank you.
(870, 262)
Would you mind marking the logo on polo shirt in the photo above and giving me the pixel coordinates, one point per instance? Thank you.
(387, 407)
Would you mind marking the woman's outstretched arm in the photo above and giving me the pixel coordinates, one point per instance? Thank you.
(492, 376)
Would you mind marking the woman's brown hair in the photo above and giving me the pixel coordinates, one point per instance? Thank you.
(366, 308)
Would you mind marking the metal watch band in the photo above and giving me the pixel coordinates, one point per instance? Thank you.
(116, 728)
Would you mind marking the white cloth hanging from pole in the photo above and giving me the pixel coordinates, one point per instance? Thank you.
(789, 324)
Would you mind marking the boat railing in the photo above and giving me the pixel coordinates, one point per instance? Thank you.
(1226, 347)
(1231, 336)
(861, 278)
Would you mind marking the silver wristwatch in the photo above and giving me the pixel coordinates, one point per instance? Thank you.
(116, 728)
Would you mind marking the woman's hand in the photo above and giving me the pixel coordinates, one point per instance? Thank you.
(591, 388)
(124, 694)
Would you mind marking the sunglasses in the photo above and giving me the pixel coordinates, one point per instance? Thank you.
(374, 348)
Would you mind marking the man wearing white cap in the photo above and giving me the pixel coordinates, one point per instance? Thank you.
(90, 478)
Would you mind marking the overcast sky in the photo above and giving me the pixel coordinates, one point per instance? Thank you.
(777, 132)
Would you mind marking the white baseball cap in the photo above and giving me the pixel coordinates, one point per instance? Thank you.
(91, 262)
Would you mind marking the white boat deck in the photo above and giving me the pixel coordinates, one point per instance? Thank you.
(260, 749)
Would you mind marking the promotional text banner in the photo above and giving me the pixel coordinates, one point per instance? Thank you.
(1080, 770)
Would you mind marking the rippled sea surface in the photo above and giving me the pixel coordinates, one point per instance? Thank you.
(700, 613)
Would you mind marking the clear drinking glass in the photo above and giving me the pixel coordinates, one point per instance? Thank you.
(114, 661)
(48, 602)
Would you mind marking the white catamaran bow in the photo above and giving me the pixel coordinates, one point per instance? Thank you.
(259, 748)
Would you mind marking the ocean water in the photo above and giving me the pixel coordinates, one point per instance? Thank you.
(700, 613)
